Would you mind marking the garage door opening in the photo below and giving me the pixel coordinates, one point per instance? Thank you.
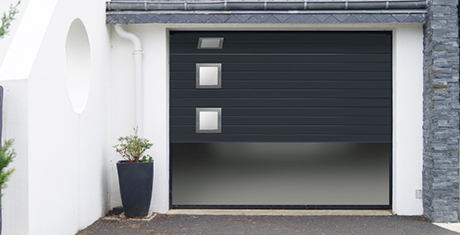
(288, 175)
(281, 119)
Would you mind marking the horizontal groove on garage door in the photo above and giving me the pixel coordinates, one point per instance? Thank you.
(292, 76)
(282, 93)
(377, 85)
(290, 120)
(286, 86)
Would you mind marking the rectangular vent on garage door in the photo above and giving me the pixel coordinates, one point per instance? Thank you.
(210, 43)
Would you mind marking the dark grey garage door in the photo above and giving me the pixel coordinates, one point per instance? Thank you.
(280, 119)
(285, 86)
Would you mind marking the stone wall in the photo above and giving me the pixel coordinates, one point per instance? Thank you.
(441, 119)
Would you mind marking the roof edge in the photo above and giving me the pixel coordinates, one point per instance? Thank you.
(264, 6)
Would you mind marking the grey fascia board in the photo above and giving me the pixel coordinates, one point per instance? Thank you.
(263, 5)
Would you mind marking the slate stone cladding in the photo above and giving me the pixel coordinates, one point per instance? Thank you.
(441, 119)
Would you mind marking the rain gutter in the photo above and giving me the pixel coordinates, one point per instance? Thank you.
(416, 6)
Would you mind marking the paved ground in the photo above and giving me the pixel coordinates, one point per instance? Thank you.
(266, 225)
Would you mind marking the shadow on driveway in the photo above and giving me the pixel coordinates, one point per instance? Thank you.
(311, 225)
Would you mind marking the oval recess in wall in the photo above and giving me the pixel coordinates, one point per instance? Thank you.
(78, 65)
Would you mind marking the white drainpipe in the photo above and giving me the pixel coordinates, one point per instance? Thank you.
(139, 66)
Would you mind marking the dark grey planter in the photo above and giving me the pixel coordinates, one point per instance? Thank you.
(135, 181)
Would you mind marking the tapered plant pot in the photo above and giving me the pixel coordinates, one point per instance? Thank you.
(135, 181)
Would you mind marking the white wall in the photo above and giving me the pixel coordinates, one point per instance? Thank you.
(407, 119)
(407, 109)
(156, 105)
(15, 201)
(60, 183)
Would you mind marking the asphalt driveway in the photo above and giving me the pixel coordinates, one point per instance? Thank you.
(238, 224)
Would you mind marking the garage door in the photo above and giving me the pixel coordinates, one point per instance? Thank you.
(309, 91)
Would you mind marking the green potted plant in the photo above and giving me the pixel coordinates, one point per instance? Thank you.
(7, 154)
(135, 175)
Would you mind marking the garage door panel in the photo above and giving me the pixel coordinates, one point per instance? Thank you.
(289, 129)
(293, 51)
(328, 49)
(250, 41)
(290, 85)
(301, 41)
(279, 93)
(333, 47)
(288, 66)
(336, 46)
(290, 75)
(292, 111)
(276, 57)
(280, 102)
(262, 43)
(215, 138)
(289, 120)
(275, 35)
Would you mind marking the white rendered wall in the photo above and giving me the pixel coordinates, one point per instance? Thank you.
(15, 201)
(75, 190)
(407, 119)
(407, 104)
(62, 163)
(156, 105)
